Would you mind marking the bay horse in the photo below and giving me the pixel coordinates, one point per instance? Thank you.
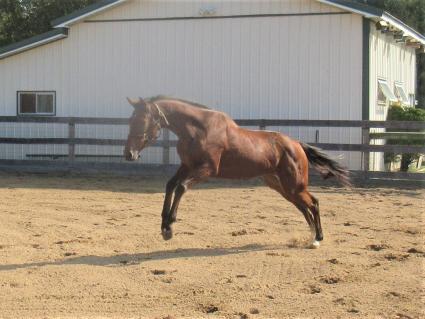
(211, 145)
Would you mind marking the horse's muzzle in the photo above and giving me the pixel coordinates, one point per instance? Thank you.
(131, 155)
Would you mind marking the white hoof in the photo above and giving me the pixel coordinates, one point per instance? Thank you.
(315, 244)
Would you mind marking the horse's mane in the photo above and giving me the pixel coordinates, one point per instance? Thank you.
(164, 97)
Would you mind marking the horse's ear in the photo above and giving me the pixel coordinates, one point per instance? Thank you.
(137, 103)
(132, 101)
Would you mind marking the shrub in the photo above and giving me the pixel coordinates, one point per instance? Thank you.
(400, 113)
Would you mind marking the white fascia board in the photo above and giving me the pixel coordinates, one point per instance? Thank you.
(66, 24)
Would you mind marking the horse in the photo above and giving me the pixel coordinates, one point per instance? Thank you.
(211, 145)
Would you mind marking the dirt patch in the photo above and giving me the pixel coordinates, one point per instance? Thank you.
(90, 247)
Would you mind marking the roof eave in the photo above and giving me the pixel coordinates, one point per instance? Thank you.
(408, 31)
(33, 42)
(66, 21)
(364, 10)
(376, 15)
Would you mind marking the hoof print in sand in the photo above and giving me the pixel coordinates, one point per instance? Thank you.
(353, 310)
(69, 254)
(254, 311)
(393, 257)
(331, 280)
(416, 251)
(239, 232)
(209, 308)
(312, 290)
(377, 247)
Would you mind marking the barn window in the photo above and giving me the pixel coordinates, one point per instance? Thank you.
(36, 103)
(400, 93)
(384, 92)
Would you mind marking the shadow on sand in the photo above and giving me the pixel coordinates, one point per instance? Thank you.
(134, 259)
(156, 184)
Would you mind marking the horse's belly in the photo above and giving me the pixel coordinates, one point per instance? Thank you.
(233, 166)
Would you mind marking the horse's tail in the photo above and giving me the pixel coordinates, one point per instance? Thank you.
(325, 165)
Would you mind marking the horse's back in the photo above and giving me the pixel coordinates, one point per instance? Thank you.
(250, 153)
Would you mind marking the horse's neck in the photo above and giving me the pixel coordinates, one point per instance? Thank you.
(180, 119)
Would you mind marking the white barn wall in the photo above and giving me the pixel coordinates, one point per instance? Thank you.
(137, 9)
(393, 62)
(38, 69)
(290, 67)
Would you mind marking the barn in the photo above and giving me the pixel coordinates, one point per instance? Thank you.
(270, 59)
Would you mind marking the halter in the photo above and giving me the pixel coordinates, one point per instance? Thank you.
(161, 116)
(157, 123)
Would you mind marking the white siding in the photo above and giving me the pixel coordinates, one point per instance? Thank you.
(140, 9)
(289, 67)
(393, 62)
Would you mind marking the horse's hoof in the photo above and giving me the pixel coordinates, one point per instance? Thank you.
(315, 244)
(167, 234)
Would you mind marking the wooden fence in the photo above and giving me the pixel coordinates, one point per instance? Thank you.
(365, 147)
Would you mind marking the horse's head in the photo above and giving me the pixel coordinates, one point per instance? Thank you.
(144, 128)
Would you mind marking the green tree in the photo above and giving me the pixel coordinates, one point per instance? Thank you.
(398, 113)
(20, 19)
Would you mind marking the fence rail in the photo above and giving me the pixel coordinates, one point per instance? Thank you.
(365, 147)
(243, 122)
(173, 143)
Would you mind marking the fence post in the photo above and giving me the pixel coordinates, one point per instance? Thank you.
(366, 153)
(263, 125)
(166, 147)
(71, 145)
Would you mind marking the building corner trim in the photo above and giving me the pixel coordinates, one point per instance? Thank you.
(366, 70)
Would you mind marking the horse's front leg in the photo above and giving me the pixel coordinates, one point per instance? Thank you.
(193, 178)
(169, 190)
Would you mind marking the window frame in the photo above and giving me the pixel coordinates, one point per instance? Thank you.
(397, 87)
(412, 99)
(46, 92)
(381, 83)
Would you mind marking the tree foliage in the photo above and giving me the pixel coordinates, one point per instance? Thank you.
(20, 19)
(399, 113)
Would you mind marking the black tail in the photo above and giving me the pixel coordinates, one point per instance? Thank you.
(325, 165)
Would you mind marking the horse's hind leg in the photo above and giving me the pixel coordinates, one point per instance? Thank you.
(274, 183)
(316, 213)
(304, 201)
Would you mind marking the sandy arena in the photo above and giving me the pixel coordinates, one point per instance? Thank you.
(90, 247)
